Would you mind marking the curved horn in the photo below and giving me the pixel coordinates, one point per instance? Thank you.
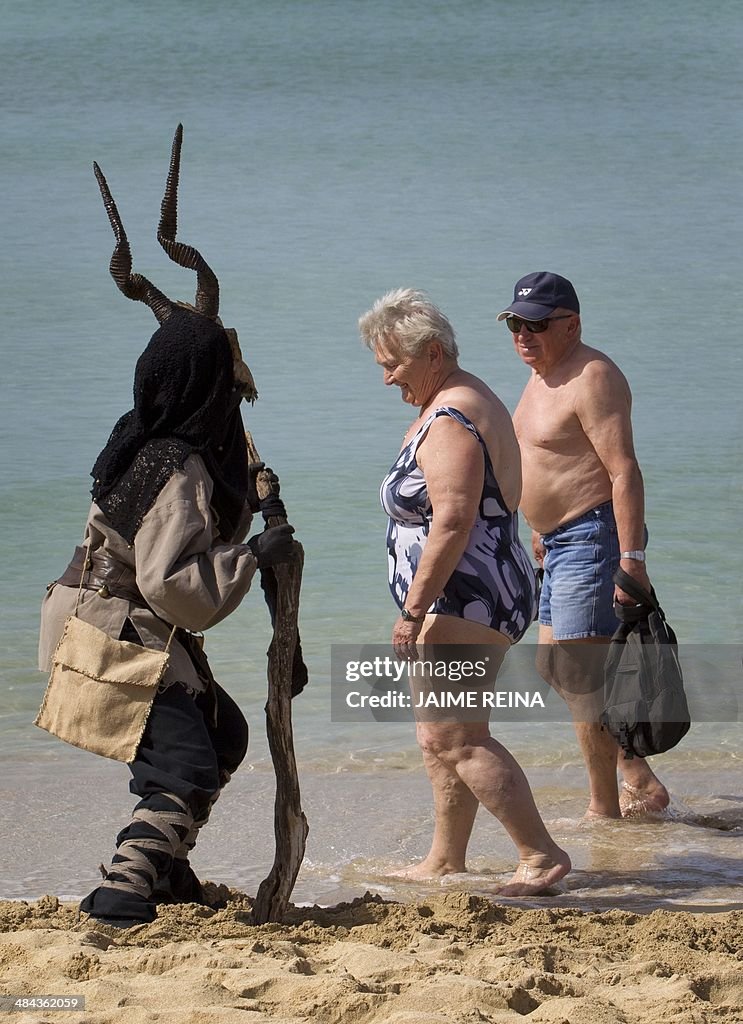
(207, 288)
(134, 286)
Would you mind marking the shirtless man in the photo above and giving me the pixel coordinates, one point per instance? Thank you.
(584, 500)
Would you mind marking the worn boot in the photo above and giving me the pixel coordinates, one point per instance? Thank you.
(180, 884)
(145, 851)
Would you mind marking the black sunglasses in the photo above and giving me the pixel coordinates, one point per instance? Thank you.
(515, 323)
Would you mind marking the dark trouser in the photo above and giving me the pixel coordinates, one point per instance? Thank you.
(189, 749)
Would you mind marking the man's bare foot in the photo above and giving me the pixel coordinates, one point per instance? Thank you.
(427, 868)
(534, 877)
(641, 802)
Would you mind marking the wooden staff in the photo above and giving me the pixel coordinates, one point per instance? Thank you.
(290, 823)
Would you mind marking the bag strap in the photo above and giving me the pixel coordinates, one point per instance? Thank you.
(630, 586)
(170, 640)
(87, 563)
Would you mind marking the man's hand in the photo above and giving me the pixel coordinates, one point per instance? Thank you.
(638, 572)
(538, 548)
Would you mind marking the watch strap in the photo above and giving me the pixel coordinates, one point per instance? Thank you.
(637, 556)
(411, 618)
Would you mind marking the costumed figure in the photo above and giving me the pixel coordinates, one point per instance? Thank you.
(173, 499)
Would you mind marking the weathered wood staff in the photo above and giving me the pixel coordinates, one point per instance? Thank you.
(281, 585)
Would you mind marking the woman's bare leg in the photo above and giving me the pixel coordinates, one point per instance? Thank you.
(454, 808)
(466, 767)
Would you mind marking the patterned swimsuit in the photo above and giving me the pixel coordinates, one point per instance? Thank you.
(494, 582)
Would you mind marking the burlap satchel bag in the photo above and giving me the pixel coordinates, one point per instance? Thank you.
(100, 690)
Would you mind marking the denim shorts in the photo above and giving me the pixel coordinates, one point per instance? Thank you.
(581, 557)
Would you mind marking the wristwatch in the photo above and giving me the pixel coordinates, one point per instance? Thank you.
(405, 614)
(638, 556)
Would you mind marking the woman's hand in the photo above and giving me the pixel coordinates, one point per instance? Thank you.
(404, 635)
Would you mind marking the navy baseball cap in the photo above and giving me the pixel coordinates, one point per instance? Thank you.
(537, 295)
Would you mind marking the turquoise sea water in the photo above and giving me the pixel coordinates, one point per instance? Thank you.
(333, 151)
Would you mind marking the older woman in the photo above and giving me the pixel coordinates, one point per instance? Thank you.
(458, 573)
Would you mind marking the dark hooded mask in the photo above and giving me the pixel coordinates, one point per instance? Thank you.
(186, 396)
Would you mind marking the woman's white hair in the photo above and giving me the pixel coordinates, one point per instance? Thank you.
(407, 319)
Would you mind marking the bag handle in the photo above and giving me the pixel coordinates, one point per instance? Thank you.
(630, 586)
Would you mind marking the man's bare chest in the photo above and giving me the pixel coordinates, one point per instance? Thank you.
(545, 419)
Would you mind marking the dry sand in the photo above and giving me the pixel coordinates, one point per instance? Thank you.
(453, 958)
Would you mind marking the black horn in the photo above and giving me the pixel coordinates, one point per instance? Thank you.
(207, 288)
(134, 286)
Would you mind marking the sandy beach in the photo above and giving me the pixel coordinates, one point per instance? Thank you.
(452, 958)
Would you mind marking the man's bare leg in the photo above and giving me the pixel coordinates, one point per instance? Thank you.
(642, 791)
(573, 669)
(600, 755)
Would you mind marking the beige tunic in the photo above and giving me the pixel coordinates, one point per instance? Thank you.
(184, 570)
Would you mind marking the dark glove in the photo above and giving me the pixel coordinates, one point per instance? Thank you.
(273, 546)
(272, 505)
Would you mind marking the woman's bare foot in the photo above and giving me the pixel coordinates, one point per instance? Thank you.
(643, 801)
(534, 876)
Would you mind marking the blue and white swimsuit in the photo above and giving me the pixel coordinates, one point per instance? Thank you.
(494, 582)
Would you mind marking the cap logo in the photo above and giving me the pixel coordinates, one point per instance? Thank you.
(524, 291)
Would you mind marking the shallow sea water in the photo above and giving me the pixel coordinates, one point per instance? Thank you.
(333, 151)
